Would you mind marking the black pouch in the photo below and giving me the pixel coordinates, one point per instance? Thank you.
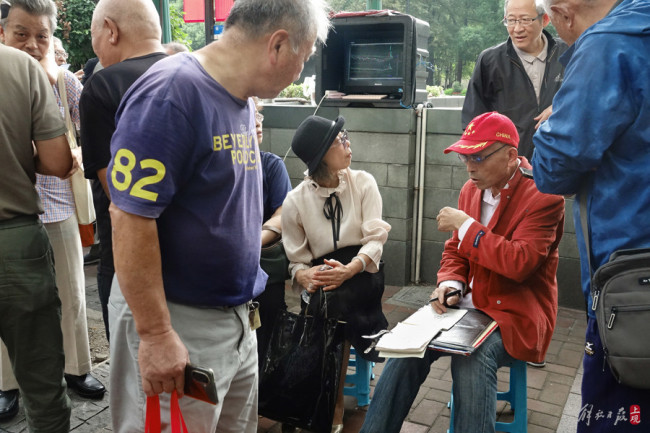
(299, 378)
(621, 300)
(274, 261)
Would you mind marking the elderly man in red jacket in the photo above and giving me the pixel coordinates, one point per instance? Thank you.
(503, 256)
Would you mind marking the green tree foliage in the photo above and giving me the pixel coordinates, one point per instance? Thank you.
(192, 34)
(177, 24)
(74, 18)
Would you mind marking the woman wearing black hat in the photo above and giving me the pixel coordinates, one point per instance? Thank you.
(334, 218)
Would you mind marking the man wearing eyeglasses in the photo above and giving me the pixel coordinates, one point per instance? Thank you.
(519, 77)
(503, 256)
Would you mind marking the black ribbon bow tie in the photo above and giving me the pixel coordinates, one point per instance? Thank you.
(332, 210)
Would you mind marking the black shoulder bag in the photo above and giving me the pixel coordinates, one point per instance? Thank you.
(620, 291)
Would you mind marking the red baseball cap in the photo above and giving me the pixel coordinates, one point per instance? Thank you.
(483, 131)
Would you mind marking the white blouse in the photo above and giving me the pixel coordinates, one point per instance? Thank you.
(307, 233)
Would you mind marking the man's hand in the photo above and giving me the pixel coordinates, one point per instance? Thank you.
(439, 294)
(450, 219)
(76, 162)
(162, 359)
(543, 116)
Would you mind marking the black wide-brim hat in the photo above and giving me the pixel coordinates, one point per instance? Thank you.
(313, 139)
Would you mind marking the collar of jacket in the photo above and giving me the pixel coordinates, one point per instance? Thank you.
(551, 48)
(516, 177)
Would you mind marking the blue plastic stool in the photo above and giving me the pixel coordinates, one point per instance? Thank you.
(358, 384)
(516, 396)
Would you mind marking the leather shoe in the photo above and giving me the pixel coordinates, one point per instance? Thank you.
(85, 385)
(8, 404)
(93, 255)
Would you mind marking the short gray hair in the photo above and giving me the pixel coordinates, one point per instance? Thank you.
(35, 7)
(303, 19)
(175, 47)
(539, 7)
(544, 4)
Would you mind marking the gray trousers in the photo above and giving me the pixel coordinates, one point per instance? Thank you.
(30, 323)
(218, 338)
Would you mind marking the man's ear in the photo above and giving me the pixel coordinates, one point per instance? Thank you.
(277, 44)
(512, 156)
(563, 13)
(2, 34)
(545, 20)
(113, 31)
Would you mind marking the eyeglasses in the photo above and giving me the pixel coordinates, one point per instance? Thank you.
(61, 53)
(343, 138)
(259, 117)
(477, 159)
(511, 22)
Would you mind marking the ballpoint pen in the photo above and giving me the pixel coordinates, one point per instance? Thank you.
(448, 295)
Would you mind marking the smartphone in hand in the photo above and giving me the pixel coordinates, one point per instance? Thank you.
(199, 384)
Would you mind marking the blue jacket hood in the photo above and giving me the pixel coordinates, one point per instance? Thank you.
(630, 17)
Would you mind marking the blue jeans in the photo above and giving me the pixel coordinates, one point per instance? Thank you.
(475, 388)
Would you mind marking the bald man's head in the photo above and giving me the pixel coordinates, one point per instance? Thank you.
(124, 28)
(136, 19)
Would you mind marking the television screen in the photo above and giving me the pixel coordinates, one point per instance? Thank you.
(378, 61)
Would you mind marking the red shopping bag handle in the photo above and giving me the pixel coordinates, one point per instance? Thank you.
(152, 419)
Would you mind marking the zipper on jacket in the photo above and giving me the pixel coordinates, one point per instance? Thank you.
(530, 82)
(625, 308)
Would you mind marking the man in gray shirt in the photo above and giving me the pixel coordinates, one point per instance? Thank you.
(30, 309)
(519, 77)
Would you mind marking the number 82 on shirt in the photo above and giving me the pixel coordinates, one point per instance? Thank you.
(122, 178)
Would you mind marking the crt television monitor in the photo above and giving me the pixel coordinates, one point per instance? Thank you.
(371, 66)
(375, 55)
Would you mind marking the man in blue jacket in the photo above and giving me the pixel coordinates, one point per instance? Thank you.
(597, 142)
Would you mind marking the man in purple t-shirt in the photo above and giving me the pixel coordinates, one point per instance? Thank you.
(186, 187)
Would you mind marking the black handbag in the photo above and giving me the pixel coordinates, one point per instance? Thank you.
(274, 261)
(300, 373)
(357, 302)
